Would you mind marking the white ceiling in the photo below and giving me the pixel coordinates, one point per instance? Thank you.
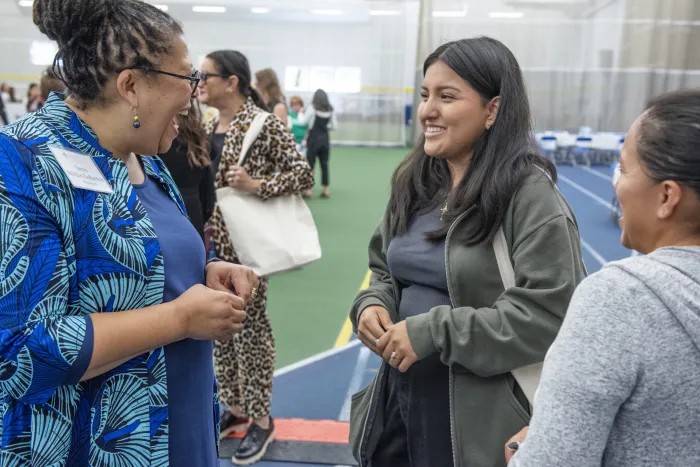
(352, 10)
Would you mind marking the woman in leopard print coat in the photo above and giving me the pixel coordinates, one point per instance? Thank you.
(245, 365)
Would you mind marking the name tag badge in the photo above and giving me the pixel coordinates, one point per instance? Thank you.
(81, 170)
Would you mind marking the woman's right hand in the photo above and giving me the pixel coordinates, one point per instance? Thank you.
(373, 324)
(209, 314)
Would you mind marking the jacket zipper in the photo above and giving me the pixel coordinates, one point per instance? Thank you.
(455, 460)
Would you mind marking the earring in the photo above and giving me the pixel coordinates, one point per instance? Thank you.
(137, 121)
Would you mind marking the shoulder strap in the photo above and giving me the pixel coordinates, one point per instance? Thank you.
(505, 267)
(251, 135)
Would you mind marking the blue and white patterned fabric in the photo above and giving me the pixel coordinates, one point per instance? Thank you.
(66, 253)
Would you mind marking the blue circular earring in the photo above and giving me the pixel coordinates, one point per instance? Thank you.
(137, 121)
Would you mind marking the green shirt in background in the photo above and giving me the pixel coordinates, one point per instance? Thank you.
(299, 129)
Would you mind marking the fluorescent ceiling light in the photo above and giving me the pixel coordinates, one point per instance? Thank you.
(384, 12)
(506, 14)
(259, 10)
(449, 13)
(162, 7)
(327, 12)
(209, 9)
(26, 3)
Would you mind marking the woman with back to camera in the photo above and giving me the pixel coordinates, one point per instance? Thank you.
(273, 167)
(106, 321)
(620, 384)
(189, 164)
(268, 85)
(436, 310)
(320, 118)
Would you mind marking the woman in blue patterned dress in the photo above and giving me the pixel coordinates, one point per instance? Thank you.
(105, 319)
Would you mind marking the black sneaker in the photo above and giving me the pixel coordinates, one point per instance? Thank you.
(254, 445)
(229, 423)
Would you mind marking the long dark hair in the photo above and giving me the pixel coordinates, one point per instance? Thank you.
(502, 157)
(193, 136)
(233, 63)
(321, 101)
(669, 138)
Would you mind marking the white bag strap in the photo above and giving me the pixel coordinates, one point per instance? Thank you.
(528, 377)
(505, 268)
(251, 135)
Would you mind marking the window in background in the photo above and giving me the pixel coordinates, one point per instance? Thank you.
(43, 52)
(346, 80)
(296, 78)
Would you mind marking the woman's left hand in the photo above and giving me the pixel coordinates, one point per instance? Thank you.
(234, 278)
(396, 347)
(239, 178)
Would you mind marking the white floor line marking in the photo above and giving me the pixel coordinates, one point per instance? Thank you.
(586, 192)
(355, 383)
(316, 358)
(596, 173)
(598, 257)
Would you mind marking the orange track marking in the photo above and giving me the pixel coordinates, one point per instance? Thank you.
(314, 431)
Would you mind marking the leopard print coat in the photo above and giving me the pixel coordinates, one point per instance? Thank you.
(273, 159)
(244, 366)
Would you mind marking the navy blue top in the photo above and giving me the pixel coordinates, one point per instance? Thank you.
(419, 267)
(189, 363)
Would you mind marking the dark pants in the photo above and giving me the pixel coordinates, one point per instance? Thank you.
(417, 425)
(322, 152)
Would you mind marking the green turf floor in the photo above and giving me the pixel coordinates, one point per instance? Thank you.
(308, 307)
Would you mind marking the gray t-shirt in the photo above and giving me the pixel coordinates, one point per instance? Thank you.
(621, 383)
(419, 266)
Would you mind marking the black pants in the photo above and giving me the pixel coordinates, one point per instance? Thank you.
(322, 152)
(417, 424)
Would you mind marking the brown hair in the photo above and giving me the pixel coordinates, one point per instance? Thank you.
(194, 137)
(49, 82)
(296, 100)
(269, 84)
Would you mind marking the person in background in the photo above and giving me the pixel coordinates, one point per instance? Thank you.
(190, 166)
(106, 322)
(245, 366)
(34, 101)
(268, 85)
(12, 94)
(320, 119)
(50, 83)
(3, 113)
(5, 93)
(436, 310)
(620, 383)
(297, 123)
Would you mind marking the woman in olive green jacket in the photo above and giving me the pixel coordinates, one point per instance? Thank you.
(436, 309)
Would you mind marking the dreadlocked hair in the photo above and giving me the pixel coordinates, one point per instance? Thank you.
(96, 38)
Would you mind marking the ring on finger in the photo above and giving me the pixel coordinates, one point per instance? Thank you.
(394, 356)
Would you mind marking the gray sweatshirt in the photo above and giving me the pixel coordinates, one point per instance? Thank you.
(621, 383)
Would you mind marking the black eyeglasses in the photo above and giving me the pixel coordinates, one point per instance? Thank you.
(194, 79)
(205, 76)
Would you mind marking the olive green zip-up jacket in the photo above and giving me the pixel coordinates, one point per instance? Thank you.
(488, 332)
